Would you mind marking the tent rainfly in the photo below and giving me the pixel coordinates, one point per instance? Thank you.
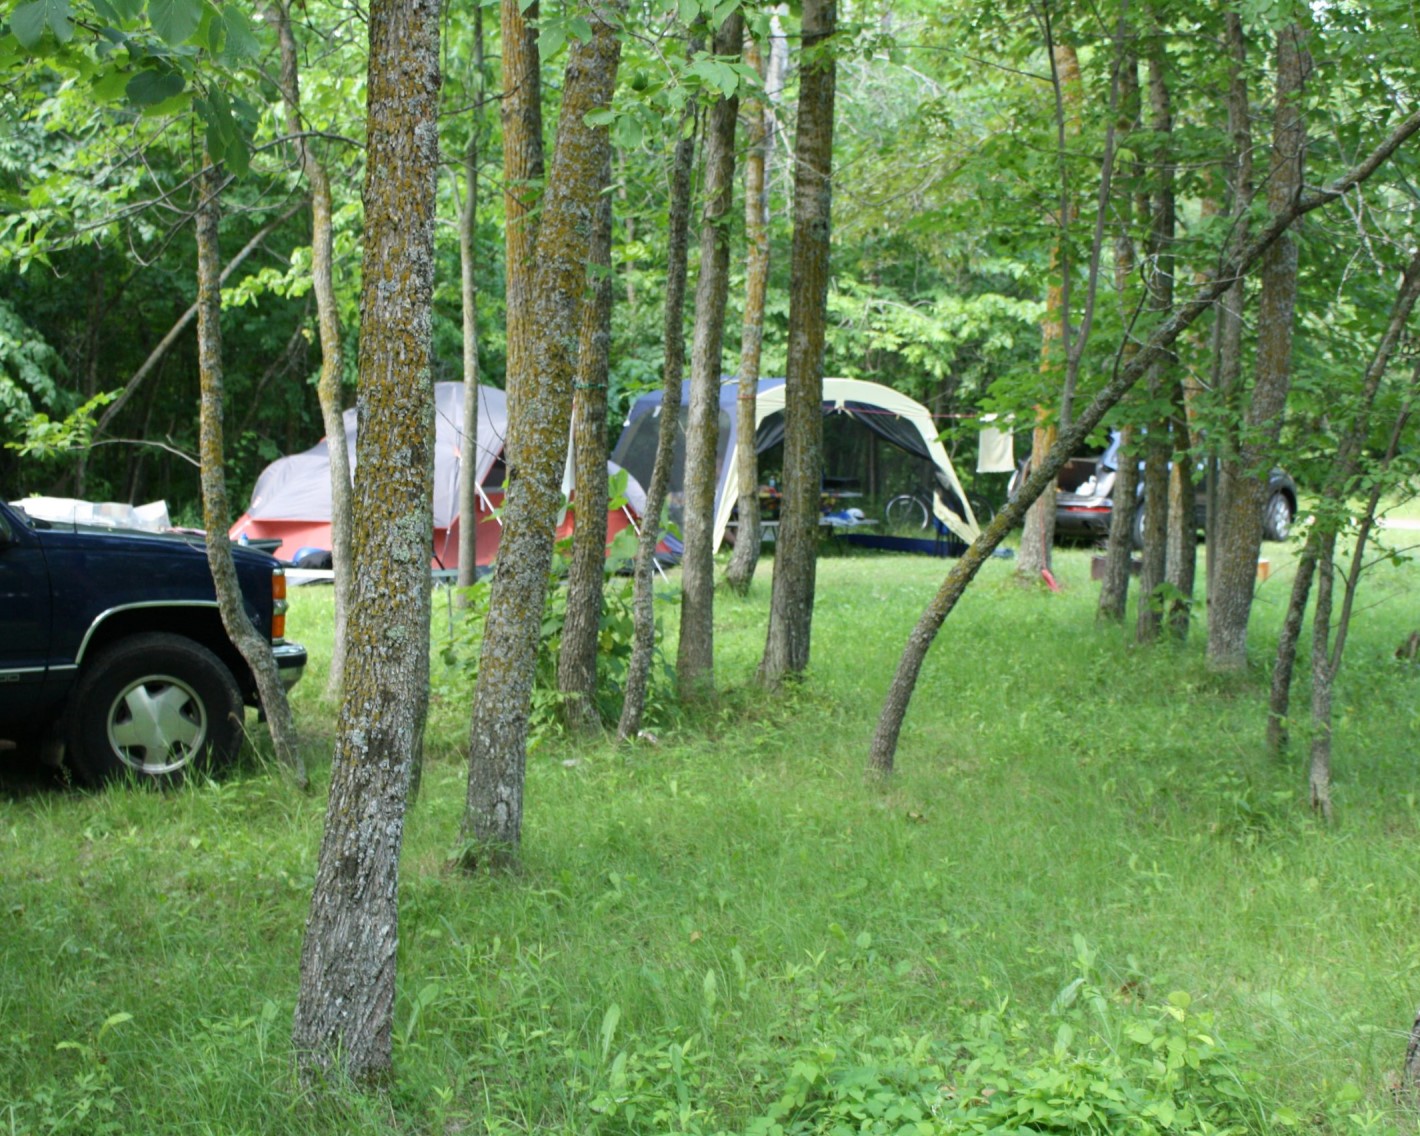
(897, 419)
(291, 501)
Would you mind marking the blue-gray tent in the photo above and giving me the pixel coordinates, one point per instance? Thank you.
(889, 414)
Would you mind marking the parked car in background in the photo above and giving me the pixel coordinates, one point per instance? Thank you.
(1084, 504)
(112, 651)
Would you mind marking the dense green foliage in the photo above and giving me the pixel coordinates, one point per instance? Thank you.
(1086, 904)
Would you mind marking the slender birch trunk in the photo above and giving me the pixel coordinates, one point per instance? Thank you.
(216, 514)
(643, 635)
(695, 657)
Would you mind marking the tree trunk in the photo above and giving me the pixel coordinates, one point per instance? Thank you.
(643, 641)
(1159, 446)
(1119, 552)
(695, 658)
(537, 452)
(1280, 696)
(1244, 478)
(577, 660)
(468, 297)
(216, 515)
(332, 365)
(1319, 775)
(1119, 549)
(1236, 261)
(1038, 535)
(791, 605)
(345, 1007)
(1337, 488)
(1227, 373)
(521, 109)
(759, 122)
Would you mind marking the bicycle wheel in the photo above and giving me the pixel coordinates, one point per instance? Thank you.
(905, 511)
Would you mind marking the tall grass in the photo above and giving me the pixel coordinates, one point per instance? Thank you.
(706, 919)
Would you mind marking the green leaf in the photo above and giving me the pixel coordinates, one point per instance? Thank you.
(28, 21)
(175, 20)
(609, 1020)
(149, 88)
(118, 11)
(552, 39)
(241, 41)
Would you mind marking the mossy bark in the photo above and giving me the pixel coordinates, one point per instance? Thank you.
(791, 604)
(468, 302)
(345, 1008)
(1244, 481)
(586, 576)
(695, 657)
(537, 452)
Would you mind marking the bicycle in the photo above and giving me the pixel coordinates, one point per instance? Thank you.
(908, 511)
(915, 510)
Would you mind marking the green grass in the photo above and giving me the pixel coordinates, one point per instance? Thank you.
(704, 921)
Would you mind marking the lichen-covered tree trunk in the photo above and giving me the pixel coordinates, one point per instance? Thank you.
(791, 604)
(468, 302)
(537, 452)
(332, 364)
(695, 656)
(345, 1007)
(521, 110)
(759, 127)
(1236, 261)
(577, 660)
(1243, 483)
(643, 640)
(216, 514)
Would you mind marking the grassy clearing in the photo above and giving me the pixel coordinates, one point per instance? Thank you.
(728, 931)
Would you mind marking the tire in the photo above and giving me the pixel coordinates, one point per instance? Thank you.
(154, 706)
(905, 511)
(1136, 527)
(1277, 517)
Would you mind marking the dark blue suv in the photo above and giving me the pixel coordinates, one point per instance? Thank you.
(112, 652)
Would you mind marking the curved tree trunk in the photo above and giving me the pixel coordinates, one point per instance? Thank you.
(537, 452)
(791, 605)
(695, 658)
(1337, 487)
(332, 365)
(216, 515)
(577, 660)
(643, 635)
(1243, 483)
(1236, 262)
(345, 1008)
(759, 124)
(468, 297)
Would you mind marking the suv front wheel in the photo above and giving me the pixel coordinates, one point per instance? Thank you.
(156, 706)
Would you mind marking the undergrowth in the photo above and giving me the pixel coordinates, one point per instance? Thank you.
(724, 929)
